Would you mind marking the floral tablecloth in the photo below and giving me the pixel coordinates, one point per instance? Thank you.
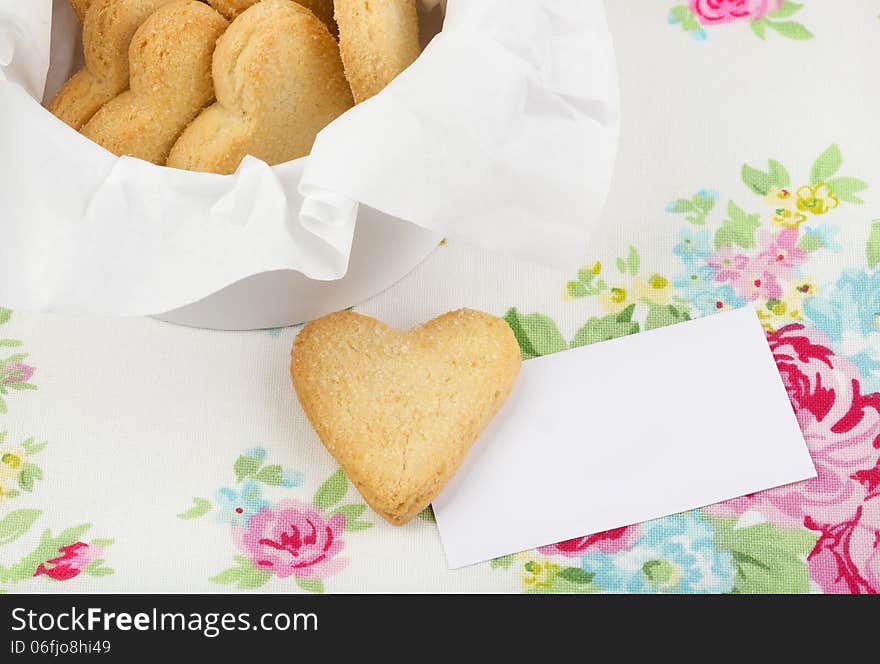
(139, 456)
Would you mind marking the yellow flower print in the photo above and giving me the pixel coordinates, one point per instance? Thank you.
(657, 290)
(662, 574)
(615, 300)
(779, 197)
(540, 574)
(804, 288)
(816, 200)
(784, 211)
(788, 308)
(789, 218)
(11, 461)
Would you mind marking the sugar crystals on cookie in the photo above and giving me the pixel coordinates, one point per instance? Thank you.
(279, 81)
(378, 40)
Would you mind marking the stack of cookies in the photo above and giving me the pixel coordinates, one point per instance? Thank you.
(198, 86)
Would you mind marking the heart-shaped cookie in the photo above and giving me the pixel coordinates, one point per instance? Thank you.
(399, 410)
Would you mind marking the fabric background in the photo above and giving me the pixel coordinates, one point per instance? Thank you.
(171, 453)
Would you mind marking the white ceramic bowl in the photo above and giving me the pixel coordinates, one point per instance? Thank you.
(384, 250)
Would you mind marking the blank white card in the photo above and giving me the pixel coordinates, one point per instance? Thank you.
(625, 431)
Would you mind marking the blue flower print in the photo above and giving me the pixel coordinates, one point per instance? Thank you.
(825, 236)
(291, 478)
(852, 303)
(676, 554)
(694, 245)
(699, 288)
(237, 507)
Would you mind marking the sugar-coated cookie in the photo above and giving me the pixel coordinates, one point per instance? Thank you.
(80, 7)
(397, 410)
(378, 40)
(323, 9)
(170, 58)
(279, 81)
(108, 27)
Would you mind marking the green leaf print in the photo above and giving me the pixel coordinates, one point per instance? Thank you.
(31, 447)
(352, 514)
(679, 206)
(502, 562)
(683, 15)
(98, 568)
(809, 242)
(576, 575)
(563, 584)
(270, 475)
(873, 249)
(17, 523)
(759, 27)
(790, 29)
(243, 575)
(768, 559)
(738, 229)
(756, 180)
(630, 264)
(606, 328)
(760, 182)
(846, 188)
(696, 210)
(584, 285)
(331, 491)
(310, 585)
(427, 514)
(29, 474)
(354, 526)
(633, 261)
(662, 315)
(787, 10)
(21, 386)
(704, 201)
(536, 334)
(201, 506)
(245, 466)
(778, 175)
(679, 13)
(47, 548)
(826, 165)
(5, 315)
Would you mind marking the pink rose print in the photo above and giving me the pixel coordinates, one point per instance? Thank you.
(293, 539)
(841, 427)
(870, 478)
(608, 541)
(846, 559)
(757, 281)
(76, 557)
(779, 252)
(710, 12)
(728, 264)
(826, 394)
(16, 372)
